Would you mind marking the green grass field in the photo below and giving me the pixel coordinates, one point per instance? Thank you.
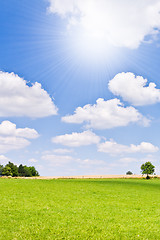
(80, 209)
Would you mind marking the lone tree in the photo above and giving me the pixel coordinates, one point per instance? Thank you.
(147, 168)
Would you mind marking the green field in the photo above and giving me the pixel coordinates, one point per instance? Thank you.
(80, 209)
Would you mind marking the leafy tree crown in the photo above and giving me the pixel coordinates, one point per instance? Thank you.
(147, 168)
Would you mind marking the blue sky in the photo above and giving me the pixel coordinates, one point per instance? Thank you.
(79, 85)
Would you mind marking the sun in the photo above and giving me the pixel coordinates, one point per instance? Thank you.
(88, 38)
(90, 46)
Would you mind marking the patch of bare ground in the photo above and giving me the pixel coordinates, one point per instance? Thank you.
(88, 177)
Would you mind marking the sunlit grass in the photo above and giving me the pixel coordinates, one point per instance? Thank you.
(80, 209)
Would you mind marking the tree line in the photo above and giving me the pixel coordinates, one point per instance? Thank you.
(13, 170)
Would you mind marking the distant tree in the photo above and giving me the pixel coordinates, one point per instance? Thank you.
(147, 168)
(7, 171)
(1, 168)
(14, 169)
(34, 172)
(129, 173)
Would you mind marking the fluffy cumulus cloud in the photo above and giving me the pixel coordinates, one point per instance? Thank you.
(77, 139)
(122, 23)
(8, 128)
(105, 115)
(18, 99)
(134, 90)
(114, 148)
(12, 138)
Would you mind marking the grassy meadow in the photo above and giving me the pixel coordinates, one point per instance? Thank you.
(80, 209)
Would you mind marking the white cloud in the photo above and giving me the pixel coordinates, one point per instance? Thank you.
(90, 162)
(57, 160)
(12, 138)
(65, 162)
(8, 128)
(4, 160)
(134, 90)
(62, 150)
(39, 167)
(12, 143)
(128, 160)
(18, 99)
(114, 148)
(77, 139)
(57, 151)
(121, 23)
(105, 115)
(32, 160)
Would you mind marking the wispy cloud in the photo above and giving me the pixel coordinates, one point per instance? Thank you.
(32, 160)
(57, 160)
(4, 160)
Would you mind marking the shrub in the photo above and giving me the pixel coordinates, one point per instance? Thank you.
(129, 173)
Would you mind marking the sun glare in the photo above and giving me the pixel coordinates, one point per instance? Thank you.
(90, 46)
(88, 38)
